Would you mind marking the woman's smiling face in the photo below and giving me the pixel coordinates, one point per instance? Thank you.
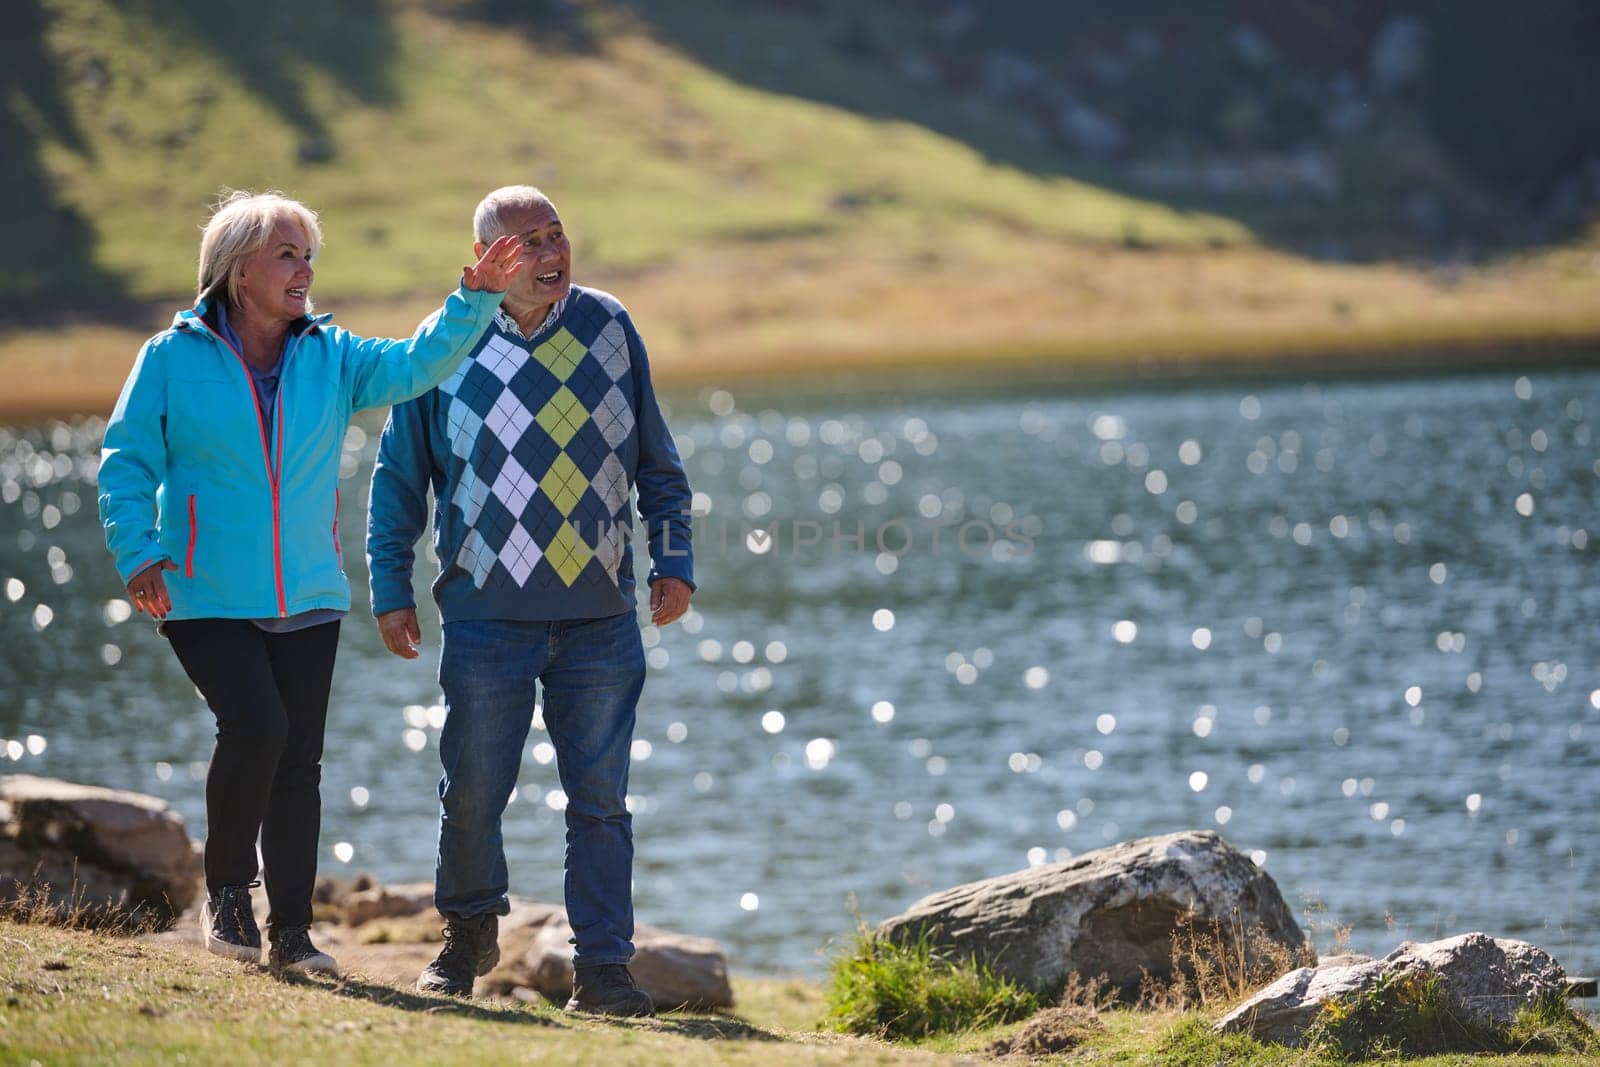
(274, 285)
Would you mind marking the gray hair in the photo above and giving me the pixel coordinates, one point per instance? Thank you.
(240, 227)
(486, 224)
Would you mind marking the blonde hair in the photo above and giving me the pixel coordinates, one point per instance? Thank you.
(239, 227)
(486, 224)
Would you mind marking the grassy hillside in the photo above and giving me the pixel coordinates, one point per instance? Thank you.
(394, 121)
(754, 223)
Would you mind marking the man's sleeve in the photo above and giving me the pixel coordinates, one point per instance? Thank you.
(398, 511)
(664, 495)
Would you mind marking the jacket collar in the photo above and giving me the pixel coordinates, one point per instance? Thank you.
(204, 316)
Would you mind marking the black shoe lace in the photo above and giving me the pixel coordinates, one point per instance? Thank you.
(235, 914)
(294, 943)
(459, 951)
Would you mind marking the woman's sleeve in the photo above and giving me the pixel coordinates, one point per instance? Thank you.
(384, 371)
(133, 461)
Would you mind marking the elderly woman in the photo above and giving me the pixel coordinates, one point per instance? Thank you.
(219, 495)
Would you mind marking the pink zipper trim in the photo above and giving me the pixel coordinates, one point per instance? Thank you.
(266, 459)
(336, 549)
(194, 535)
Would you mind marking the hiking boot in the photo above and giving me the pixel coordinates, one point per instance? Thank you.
(471, 948)
(292, 950)
(608, 989)
(229, 923)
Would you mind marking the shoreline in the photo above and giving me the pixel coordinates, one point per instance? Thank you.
(90, 383)
(821, 316)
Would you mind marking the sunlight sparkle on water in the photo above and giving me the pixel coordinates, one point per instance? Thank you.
(1198, 780)
(344, 852)
(882, 711)
(772, 722)
(1125, 631)
(819, 751)
(1038, 678)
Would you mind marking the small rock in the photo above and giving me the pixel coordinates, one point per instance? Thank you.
(387, 902)
(1399, 54)
(678, 971)
(1484, 979)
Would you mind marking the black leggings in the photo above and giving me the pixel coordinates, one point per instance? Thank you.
(269, 693)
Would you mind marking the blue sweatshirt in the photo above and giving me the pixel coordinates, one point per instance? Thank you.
(533, 448)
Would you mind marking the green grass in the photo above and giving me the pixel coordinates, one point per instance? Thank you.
(77, 996)
(1409, 1015)
(912, 990)
(143, 111)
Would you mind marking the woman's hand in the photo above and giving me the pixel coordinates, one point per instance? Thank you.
(148, 590)
(493, 272)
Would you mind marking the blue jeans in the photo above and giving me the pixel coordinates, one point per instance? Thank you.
(591, 671)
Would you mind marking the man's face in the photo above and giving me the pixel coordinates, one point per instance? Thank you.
(545, 253)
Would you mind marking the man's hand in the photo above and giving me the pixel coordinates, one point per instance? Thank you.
(669, 599)
(401, 634)
(495, 268)
(148, 590)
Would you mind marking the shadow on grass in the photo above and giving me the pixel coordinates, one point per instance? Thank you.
(713, 1028)
(696, 1027)
(389, 996)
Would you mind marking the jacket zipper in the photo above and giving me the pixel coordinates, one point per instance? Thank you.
(337, 551)
(194, 535)
(273, 474)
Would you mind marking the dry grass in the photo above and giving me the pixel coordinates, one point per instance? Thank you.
(1220, 963)
(825, 308)
(33, 902)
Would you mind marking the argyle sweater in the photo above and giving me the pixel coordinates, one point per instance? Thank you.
(533, 448)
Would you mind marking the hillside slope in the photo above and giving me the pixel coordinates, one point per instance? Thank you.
(819, 213)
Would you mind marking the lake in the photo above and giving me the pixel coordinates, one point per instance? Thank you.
(1353, 625)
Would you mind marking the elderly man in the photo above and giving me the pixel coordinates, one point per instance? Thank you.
(533, 448)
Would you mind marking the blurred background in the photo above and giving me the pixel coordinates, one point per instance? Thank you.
(1186, 405)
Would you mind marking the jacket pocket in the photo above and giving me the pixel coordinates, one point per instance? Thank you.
(194, 535)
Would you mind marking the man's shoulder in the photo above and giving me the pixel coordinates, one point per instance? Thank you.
(583, 295)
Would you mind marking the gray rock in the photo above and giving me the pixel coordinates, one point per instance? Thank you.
(678, 971)
(105, 852)
(1091, 132)
(1484, 979)
(1111, 912)
(387, 902)
(1399, 54)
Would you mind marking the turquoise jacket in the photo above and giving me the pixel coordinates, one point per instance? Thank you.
(189, 473)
